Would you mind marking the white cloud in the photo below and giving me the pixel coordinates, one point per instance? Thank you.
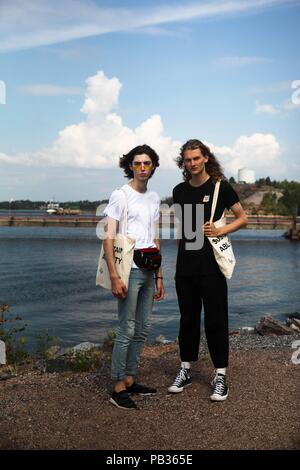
(100, 139)
(36, 23)
(271, 109)
(265, 109)
(50, 90)
(260, 152)
(289, 105)
(101, 96)
(276, 87)
(241, 60)
(158, 31)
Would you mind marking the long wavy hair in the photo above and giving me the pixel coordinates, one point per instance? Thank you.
(126, 161)
(212, 166)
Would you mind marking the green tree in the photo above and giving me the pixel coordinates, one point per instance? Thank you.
(269, 203)
(268, 181)
(291, 197)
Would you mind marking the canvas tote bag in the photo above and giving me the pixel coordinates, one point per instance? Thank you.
(221, 245)
(123, 251)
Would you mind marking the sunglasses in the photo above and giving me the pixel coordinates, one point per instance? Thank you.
(138, 165)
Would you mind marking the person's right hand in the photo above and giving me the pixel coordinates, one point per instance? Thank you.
(118, 288)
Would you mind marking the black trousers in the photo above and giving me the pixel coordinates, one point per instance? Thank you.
(211, 291)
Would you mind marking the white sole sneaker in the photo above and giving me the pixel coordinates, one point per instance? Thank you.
(177, 389)
(111, 400)
(216, 397)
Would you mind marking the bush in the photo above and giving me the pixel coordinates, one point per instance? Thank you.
(10, 334)
(109, 340)
(45, 343)
(86, 360)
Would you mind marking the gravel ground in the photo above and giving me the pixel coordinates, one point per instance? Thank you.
(71, 410)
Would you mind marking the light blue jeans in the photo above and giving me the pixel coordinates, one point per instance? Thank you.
(134, 314)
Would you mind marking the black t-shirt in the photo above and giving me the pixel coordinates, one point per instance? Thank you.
(202, 261)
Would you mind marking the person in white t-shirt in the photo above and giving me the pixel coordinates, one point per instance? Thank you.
(135, 303)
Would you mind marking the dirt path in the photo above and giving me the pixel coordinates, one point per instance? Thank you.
(71, 410)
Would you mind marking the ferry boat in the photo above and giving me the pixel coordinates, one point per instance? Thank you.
(53, 208)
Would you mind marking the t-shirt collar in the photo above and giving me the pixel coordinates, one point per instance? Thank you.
(200, 185)
(135, 191)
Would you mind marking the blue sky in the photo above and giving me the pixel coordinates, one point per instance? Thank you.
(88, 80)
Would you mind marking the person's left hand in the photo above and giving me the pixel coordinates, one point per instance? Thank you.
(210, 230)
(159, 290)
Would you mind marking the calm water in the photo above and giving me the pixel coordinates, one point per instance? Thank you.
(47, 275)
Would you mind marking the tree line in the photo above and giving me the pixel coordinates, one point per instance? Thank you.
(26, 204)
(281, 197)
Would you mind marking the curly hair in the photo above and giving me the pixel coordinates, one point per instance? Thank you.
(127, 159)
(212, 166)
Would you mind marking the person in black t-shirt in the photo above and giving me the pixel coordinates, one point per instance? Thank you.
(198, 278)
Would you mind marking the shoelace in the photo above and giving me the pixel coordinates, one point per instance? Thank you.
(180, 377)
(219, 385)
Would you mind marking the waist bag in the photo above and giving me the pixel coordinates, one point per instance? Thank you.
(147, 258)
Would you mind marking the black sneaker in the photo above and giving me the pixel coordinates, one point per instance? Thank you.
(141, 389)
(220, 389)
(122, 400)
(182, 380)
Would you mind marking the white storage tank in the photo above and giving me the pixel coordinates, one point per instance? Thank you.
(246, 175)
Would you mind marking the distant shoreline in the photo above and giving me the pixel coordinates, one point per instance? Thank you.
(254, 222)
(49, 221)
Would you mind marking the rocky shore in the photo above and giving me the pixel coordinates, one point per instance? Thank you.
(70, 410)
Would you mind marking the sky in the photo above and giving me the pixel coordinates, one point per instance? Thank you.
(83, 82)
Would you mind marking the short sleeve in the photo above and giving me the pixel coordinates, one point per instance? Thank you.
(157, 208)
(175, 195)
(229, 195)
(115, 206)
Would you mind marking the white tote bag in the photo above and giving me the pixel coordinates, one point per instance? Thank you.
(123, 252)
(221, 245)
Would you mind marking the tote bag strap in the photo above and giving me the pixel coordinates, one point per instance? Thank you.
(125, 212)
(215, 200)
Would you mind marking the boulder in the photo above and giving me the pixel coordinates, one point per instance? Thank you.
(247, 330)
(84, 347)
(269, 326)
(52, 352)
(234, 332)
(56, 352)
(294, 323)
(294, 315)
(161, 339)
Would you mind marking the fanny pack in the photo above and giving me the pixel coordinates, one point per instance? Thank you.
(147, 258)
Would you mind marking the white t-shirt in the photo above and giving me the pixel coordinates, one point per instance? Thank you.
(143, 213)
